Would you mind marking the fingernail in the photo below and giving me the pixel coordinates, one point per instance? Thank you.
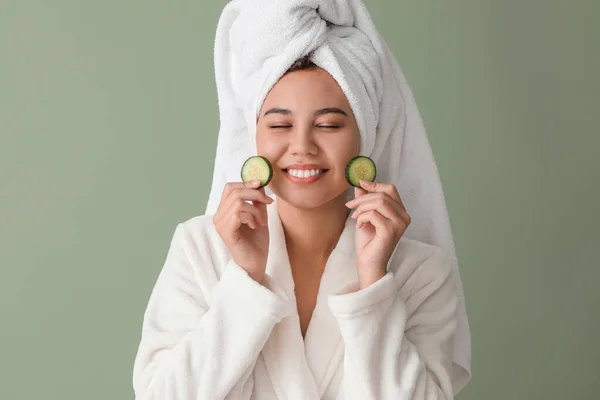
(349, 204)
(255, 183)
(353, 215)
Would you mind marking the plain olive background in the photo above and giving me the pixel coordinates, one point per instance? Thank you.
(108, 123)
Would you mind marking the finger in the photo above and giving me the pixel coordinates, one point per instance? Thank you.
(242, 207)
(388, 209)
(245, 194)
(382, 225)
(359, 192)
(252, 195)
(262, 207)
(234, 221)
(380, 198)
(236, 192)
(227, 190)
(231, 186)
(261, 204)
(386, 188)
(250, 209)
(255, 184)
(244, 219)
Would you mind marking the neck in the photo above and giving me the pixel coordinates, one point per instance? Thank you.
(313, 232)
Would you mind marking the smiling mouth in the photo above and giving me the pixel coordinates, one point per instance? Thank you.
(304, 173)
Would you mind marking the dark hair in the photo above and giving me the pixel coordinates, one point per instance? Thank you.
(301, 64)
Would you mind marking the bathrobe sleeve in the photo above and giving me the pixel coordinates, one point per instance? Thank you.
(193, 347)
(397, 334)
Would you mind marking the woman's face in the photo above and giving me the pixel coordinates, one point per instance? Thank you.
(307, 130)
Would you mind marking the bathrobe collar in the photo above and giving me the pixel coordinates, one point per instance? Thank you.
(302, 369)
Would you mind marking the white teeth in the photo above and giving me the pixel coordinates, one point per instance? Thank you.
(304, 173)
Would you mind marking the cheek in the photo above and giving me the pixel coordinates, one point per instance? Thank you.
(343, 147)
(269, 146)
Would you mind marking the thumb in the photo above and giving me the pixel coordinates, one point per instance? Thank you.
(359, 192)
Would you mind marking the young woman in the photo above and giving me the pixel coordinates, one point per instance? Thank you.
(301, 294)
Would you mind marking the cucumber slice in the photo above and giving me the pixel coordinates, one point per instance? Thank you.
(360, 167)
(257, 168)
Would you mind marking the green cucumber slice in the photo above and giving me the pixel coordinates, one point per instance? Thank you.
(257, 168)
(360, 167)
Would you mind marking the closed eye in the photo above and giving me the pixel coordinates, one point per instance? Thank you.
(329, 126)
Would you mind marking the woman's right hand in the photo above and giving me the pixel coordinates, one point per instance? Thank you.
(243, 226)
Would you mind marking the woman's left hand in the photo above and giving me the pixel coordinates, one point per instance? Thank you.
(381, 222)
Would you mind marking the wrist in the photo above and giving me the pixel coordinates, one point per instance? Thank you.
(368, 276)
(255, 270)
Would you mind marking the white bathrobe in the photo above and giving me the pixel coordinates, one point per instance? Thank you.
(211, 332)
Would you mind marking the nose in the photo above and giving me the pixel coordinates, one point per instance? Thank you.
(302, 141)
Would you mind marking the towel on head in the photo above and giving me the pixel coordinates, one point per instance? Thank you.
(256, 43)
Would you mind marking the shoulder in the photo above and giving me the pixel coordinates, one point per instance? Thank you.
(417, 264)
(199, 240)
(198, 226)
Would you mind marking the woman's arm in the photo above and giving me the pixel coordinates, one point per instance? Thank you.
(193, 347)
(397, 342)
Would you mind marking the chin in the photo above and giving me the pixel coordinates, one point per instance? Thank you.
(304, 204)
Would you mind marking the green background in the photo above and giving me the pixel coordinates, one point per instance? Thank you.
(108, 122)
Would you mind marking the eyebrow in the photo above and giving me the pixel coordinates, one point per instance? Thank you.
(276, 110)
(322, 111)
(330, 110)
